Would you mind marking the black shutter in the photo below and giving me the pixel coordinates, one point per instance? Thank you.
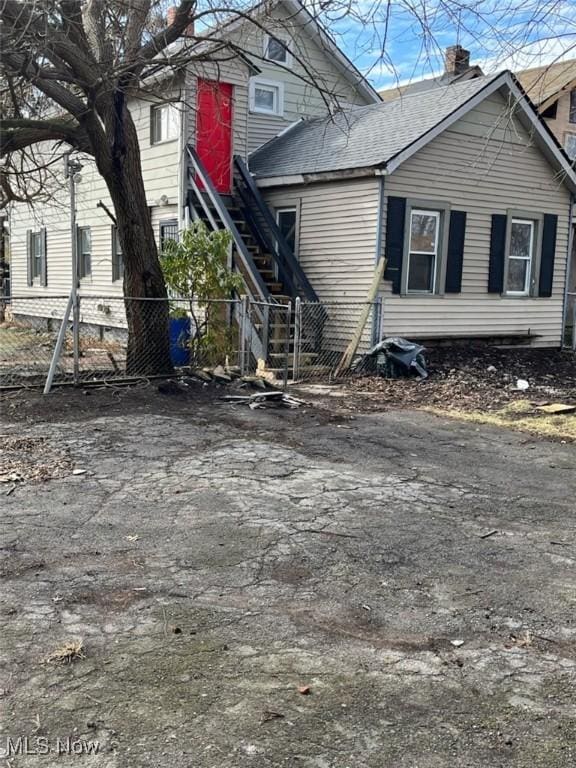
(30, 275)
(497, 253)
(395, 218)
(43, 261)
(455, 253)
(547, 256)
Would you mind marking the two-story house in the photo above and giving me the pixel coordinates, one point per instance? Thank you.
(278, 70)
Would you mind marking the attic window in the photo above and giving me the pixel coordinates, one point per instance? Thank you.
(276, 49)
(551, 111)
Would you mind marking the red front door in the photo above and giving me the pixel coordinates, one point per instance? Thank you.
(214, 131)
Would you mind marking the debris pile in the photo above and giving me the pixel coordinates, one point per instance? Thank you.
(221, 375)
(31, 458)
(394, 358)
(266, 400)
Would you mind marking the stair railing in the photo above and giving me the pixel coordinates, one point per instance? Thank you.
(255, 329)
(251, 274)
(290, 270)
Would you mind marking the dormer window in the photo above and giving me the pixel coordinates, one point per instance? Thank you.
(276, 50)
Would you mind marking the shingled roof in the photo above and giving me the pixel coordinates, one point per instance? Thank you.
(363, 136)
(382, 136)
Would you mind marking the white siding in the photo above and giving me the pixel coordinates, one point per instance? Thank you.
(336, 234)
(336, 242)
(160, 167)
(484, 164)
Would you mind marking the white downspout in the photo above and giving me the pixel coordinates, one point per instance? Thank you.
(568, 271)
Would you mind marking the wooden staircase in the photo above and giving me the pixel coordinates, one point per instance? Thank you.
(273, 276)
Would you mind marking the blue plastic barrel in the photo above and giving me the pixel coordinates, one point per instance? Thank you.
(180, 340)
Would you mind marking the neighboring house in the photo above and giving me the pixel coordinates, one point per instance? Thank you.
(221, 109)
(461, 188)
(552, 89)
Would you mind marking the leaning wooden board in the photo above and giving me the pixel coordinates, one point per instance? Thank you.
(348, 355)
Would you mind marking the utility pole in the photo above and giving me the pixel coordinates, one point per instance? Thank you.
(72, 170)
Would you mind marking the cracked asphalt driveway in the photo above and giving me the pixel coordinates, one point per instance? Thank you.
(290, 589)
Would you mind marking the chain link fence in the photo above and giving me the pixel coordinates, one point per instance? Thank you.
(323, 333)
(287, 341)
(28, 336)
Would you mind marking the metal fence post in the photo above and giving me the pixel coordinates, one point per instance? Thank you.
(76, 336)
(58, 346)
(287, 342)
(243, 325)
(297, 336)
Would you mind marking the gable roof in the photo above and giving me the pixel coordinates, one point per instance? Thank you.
(297, 12)
(542, 83)
(389, 94)
(383, 136)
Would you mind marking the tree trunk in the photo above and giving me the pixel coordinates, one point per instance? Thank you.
(146, 301)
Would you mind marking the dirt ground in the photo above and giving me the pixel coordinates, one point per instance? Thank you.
(481, 379)
(320, 587)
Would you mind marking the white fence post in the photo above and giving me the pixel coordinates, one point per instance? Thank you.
(287, 342)
(58, 347)
(297, 335)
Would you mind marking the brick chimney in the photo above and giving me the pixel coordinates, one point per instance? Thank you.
(456, 60)
(171, 15)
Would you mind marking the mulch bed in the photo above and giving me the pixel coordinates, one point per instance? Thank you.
(464, 378)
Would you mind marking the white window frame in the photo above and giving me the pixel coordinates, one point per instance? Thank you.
(289, 209)
(82, 275)
(277, 86)
(286, 43)
(529, 259)
(117, 257)
(172, 119)
(438, 216)
(36, 256)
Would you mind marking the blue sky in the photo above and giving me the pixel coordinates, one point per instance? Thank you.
(511, 34)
